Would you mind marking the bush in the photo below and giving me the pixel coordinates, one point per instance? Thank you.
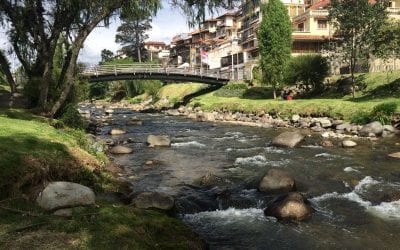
(98, 90)
(310, 70)
(384, 112)
(71, 117)
(231, 90)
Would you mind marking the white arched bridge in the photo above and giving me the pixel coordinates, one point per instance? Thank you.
(102, 73)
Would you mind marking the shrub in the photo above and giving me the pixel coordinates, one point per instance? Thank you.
(231, 90)
(98, 90)
(310, 70)
(384, 112)
(361, 117)
(71, 117)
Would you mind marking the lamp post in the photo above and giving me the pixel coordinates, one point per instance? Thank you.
(234, 40)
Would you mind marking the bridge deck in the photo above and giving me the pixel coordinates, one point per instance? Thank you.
(155, 71)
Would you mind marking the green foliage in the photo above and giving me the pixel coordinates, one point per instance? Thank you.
(384, 112)
(356, 23)
(308, 70)
(386, 41)
(134, 88)
(231, 90)
(71, 117)
(257, 93)
(106, 55)
(98, 90)
(361, 117)
(275, 41)
(151, 87)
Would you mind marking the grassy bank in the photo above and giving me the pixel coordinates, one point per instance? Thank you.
(32, 153)
(381, 88)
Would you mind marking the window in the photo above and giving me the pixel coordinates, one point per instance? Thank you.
(300, 27)
(322, 24)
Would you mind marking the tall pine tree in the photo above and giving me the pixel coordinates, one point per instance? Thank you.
(275, 42)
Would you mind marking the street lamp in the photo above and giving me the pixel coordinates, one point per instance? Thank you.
(234, 40)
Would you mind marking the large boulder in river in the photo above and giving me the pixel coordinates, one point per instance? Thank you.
(395, 155)
(288, 139)
(291, 207)
(120, 150)
(158, 140)
(62, 194)
(373, 128)
(276, 182)
(117, 131)
(154, 200)
(348, 144)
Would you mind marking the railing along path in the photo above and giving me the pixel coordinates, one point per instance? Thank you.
(101, 70)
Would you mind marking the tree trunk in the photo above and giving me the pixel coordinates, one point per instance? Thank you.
(5, 69)
(71, 69)
(274, 91)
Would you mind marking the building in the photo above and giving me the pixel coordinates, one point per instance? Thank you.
(154, 48)
(251, 19)
(180, 49)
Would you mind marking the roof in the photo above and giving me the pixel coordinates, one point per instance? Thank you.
(154, 43)
(228, 14)
(320, 5)
(323, 4)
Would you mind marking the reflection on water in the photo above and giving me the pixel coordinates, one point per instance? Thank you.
(346, 186)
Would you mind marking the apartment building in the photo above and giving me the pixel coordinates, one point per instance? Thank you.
(251, 19)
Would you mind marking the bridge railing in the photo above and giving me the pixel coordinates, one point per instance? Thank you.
(100, 70)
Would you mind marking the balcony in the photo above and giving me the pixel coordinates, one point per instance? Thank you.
(393, 11)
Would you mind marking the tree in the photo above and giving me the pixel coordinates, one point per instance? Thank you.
(5, 70)
(386, 41)
(356, 23)
(309, 70)
(132, 33)
(34, 28)
(106, 55)
(275, 41)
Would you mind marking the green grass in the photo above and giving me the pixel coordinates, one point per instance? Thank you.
(378, 91)
(176, 92)
(108, 226)
(32, 152)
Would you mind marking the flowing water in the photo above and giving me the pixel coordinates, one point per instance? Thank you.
(347, 187)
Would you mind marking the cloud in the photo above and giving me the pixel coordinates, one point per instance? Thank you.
(168, 23)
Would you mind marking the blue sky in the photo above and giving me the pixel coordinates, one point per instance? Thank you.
(168, 22)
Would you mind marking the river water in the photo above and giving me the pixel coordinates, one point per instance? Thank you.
(347, 187)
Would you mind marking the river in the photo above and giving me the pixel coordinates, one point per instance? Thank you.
(347, 187)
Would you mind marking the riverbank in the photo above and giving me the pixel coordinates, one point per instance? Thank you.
(35, 151)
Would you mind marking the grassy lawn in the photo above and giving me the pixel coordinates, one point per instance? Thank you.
(381, 87)
(107, 226)
(176, 92)
(31, 153)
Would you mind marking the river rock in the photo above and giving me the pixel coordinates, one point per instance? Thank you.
(67, 212)
(395, 155)
(291, 207)
(117, 131)
(154, 200)
(276, 182)
(325, 122)
(158, 140)
(288, 139)
(58, 195)
(326, 144)
(109, 111)
(344, 126)
(120, 150)
(375, 128)
(135, 121)
(173, 112)
(348, 144)
(295, 118)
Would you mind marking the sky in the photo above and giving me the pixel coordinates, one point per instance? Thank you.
(169, 22)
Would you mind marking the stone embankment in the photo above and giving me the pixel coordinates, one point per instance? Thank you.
(328, 127)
